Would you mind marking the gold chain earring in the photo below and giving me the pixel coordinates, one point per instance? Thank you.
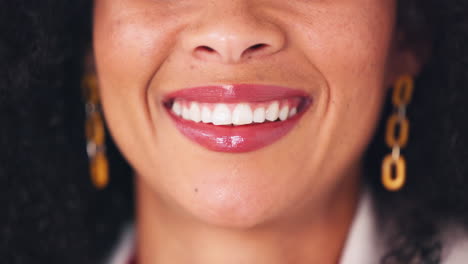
(95, 134)
(397, 134)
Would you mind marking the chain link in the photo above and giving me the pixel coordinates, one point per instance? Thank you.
(397, 134)
(95, 133)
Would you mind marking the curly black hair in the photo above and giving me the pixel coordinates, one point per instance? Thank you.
(50, 212)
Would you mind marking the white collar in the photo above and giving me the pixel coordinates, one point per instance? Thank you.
(363, 244)
(122, 253)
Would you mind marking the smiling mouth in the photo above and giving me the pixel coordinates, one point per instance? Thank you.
(236, 118)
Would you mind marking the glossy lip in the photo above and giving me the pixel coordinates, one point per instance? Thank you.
(236, 93)
(236, 139)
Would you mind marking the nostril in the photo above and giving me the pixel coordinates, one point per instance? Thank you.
(257, 46)
(205, 52)
(255, 49)
(205, 49)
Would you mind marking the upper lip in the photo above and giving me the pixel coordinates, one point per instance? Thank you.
(235, 93)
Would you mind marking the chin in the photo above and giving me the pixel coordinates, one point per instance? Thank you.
(232, 210)
(240, 202)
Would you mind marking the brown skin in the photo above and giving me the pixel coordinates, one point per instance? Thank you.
(290, 202)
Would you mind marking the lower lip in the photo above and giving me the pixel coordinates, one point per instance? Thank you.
(235, 139)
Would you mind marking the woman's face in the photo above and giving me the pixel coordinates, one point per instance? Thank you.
(331, 59)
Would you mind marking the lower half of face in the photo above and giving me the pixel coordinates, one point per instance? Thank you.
(243, 112)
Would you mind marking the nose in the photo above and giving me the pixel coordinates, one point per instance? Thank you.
(232, 36)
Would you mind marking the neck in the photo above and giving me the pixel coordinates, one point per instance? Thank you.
(316, 235)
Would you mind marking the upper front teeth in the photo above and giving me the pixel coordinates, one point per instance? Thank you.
(195, 112)
(235, 114)
(272, 111)
(205, 114)
(221, 115)
(259, 115)
(242, 115)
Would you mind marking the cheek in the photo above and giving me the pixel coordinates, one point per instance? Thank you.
(350, 49)
(128, 44)
(128, 50)
(357, 71)
(351, 44)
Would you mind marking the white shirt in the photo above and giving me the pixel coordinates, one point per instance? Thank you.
(364, 245)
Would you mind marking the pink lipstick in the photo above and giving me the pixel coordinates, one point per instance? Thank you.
(236, 118)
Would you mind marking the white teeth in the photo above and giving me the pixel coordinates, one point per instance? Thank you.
(195, 112)
(233, 114)
(177, 108)
(293, 112)
(242, 115)
(206, 115)
(272, 111)
(284, 112)
(259, 115)
(185, 113)
(221, 115)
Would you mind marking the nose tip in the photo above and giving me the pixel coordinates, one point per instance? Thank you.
(234, 41)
